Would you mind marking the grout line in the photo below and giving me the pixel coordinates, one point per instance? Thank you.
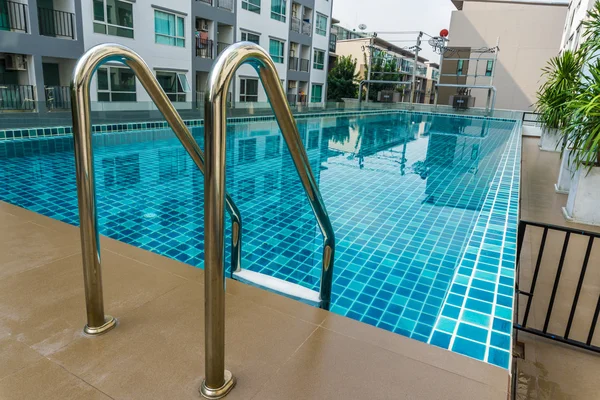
(81, 379)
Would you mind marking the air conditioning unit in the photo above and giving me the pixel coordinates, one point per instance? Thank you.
(202, 24)
(16, 62)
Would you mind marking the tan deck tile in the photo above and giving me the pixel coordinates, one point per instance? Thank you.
(45, 307)
(422, 352)
(15, 356)
(158, 350)
(46, 380)
(333, 366)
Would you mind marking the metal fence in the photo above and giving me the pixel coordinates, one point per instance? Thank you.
(304, 64)
(14, 17)
(58, 98)
(56, 23)
(204, 48)
(17, 97)
(206, 1)
(293, 64)
(225, 4)
(221, 47)
(531, 118)
(296, 23)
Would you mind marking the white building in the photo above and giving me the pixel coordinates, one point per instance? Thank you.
(573, 30)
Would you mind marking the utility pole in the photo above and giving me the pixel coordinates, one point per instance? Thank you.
(414, 74)
(369, 69)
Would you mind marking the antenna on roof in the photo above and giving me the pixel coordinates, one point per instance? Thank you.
(362, 27)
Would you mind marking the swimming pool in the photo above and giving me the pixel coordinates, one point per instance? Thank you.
(413, 200)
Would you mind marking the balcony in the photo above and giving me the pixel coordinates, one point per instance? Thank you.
(291, 98)
(296, 24)
(58, 97)
(17, 97)
(204, 48)
(14, 17)
(221, 47)
(306, 28)
(56, 23)
(225, 4)
(304, 65)
(332, 42)
(293, 63)
(209, 2)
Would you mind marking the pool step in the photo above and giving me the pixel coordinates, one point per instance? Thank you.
(278, 286)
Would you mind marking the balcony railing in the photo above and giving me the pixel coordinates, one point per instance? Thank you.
(58, 97)
(17, 97)
(332, 42)
(293, 64)
(304, 65)
(296, 23)
(225, 4)
(291, 98)
(206, 1)
(204, 48)
(306, 28)
(56, 23)
(13, 17)
(221, 46)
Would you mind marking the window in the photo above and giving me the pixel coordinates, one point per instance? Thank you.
(489, 68)
(174, 84)
(316, 93)
(250, 37)
(169, 29)
(248, 90)
(459, 67)
(278, 8)
(251, 5)
(321, 27)
(113, 17)
(116, 84)
(276, 50)
(319, 59)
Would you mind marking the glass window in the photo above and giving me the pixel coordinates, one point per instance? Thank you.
(251, 5)
(316, 94)
(174, 84)
(276, 50)
(248, 90)
(318, 59)
(459, 67)
(489, 68)
(169, 29)
(113, 17)
(278, 8)
(321, 26)
(250, 37)
(116, 84)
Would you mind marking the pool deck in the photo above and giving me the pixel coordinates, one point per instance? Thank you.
(277, 348)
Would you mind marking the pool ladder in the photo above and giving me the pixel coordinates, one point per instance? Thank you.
(217, 381)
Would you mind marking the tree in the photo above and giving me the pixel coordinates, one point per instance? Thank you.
(341, 81)
(383, 68)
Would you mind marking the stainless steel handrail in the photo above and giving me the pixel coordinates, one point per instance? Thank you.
(218, 381)
(97, 322)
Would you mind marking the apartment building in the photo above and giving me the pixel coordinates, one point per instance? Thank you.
(40, 41)
(573, 29)
(527, 37)
(359, 49)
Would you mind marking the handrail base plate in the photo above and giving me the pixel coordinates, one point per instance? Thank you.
(109, 323)
(279, 286)
(219, 393)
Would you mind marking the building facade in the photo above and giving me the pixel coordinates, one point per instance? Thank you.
(573, 29)
(527, 35)
(40, 41)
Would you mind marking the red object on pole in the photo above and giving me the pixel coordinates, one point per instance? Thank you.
(444, 33)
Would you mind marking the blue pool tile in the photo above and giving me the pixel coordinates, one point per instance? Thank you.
(469, 348)
(498, 357)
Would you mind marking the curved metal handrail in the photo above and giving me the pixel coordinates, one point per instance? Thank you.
(87, 65)
(216, 381)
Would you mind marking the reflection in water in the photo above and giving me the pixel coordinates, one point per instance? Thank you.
(390, 182)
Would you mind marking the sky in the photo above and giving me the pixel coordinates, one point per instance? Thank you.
(429, 16)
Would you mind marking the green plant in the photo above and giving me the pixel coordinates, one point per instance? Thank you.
(583, 129)
(341, 80)
(562, 75)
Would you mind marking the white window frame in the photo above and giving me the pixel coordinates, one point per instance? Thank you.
(109, 90)
(181, 79)
(176, 37)
(107, 24)
(282, 55)
(246, 5)
(244, 96)
(318, 30)
(280, 15)
(315, 64)
(245, 32)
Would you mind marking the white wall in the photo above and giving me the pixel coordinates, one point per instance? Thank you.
(573, 30)
(158, 56)
(321, 43)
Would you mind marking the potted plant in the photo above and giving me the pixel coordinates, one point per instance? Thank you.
(562, 80)
(583, 133)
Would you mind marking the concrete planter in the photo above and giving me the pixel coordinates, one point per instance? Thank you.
(583, 205)
(566, 173)
(550, 140)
